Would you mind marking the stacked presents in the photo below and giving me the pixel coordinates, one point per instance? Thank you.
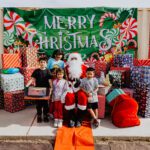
(140, 81)
(12, 84)
(133, 77)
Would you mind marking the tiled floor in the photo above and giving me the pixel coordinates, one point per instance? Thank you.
(23, 123)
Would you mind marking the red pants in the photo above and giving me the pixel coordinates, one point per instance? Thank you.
(70, 100)
(58, 110)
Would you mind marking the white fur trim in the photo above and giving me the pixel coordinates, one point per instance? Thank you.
(70, 107)
(82, 107)
(74, 55)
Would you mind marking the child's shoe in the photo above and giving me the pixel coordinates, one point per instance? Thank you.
(51, 116)
(46, 119)
(95, 123)
(39, 119)
(60, 123)
(78, 124)
(71, 123)
(55, 123)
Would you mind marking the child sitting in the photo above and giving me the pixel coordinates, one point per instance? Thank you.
(90, 86)
(60, 86)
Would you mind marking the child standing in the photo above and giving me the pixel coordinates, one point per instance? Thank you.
(90, 86)
(56, 60)
(60, 87)
(41, 76)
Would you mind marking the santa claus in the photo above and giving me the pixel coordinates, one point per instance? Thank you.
(75, 71)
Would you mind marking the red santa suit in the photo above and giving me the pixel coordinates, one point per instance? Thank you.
(75, 69)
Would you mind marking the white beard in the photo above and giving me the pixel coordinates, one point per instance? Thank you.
(75, 69)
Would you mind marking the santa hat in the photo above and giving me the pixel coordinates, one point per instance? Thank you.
(75, 55)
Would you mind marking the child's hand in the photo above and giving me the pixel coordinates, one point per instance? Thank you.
(89, 94)
(105, 84)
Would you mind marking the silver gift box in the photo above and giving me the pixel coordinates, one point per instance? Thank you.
(12, 82)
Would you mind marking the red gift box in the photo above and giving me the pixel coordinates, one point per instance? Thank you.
(27, 72)
(11, 61)
(1, 99)
(141, 62)
(101, 106)
(14, 101)
(29, 57)
(100, 66)
(126, 71)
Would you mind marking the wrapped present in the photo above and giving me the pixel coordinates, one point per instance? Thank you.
(29, 57)
(118, 78)
(1, 99)
(27, 72)
(101, 106)
(128, 91)
(140, 74)
(141, 62)
(103, 90)
(11, 61)
(14, 101)
(12, 82)
(101, 67)
(142, 95)
(126, 70)
(123, 60)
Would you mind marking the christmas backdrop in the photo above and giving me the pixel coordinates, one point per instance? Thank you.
(98, 31)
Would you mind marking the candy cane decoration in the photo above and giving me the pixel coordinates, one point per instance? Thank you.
(122, 10)
(107, 15)
(8, 38)
(132, 41)
(29, 31)
(129, 28)
(90, 62)
(13, 23)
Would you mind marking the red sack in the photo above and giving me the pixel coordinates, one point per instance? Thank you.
(124, 113)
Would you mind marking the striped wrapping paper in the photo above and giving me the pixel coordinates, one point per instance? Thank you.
(141, 62)
(11, 61)
(1, 99)
(142, 95)
(12, 82)
(14, 101)
(27, 72)
(29, 57)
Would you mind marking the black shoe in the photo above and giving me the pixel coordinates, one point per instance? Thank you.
(78, 124)
(46, 119)
(39, 119)
(71, 123)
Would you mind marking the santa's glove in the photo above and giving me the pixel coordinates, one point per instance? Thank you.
(77, 83)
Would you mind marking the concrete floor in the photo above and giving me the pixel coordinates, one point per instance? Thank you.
(23, 124)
